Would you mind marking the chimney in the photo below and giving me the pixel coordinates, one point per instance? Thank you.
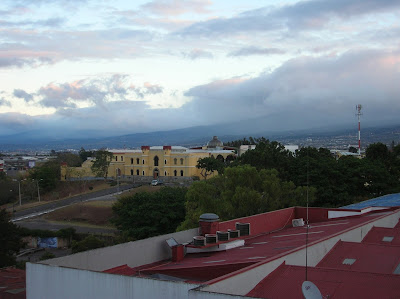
(209, 224)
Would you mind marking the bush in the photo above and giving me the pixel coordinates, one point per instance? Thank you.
(90, 242)
(47, 255)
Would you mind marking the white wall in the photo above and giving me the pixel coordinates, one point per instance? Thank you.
(43, 281)
(133, 254)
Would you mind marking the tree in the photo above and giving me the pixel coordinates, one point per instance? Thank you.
(10, 240)
(377, 151)
(352, 149)
(147, 214)
(101, 163)
(89, 243)
(208, 165)
(242, 191)
(268, 155)
(48, 175)
(84, 154)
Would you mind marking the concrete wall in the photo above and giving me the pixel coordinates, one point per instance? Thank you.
(133, 253)
(57, 282)
(240, 283)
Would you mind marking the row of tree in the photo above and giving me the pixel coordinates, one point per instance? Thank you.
(264, 179)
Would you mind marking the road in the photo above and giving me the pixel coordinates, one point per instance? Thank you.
(54, 205)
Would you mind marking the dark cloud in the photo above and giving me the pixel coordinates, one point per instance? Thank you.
(14, 62)
(301, 15)
(4, 102)
(22, 94)
(197, 53)
(248, 51)
(97, 91)
(147, 89)
(306, 92)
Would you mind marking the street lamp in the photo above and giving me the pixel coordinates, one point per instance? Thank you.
(19, 190)
(37, 184)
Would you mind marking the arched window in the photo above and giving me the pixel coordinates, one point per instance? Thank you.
(156, 161)
(181, 161)
(116, 158)
(143, 172)
(175, 161)
(137, 161)
(143, 161)
(181, 172)
(137, 171)
(131, 171)
(131, 160)
(165, 173)
(175, 172)
(165, 162)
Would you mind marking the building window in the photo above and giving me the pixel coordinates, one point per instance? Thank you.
(181, 161)
(137, 171)
(131, 171)
(137, 161)
(165, 173)
(165, 162)
(175, 172)
(131, 160)
(116, 158)
(181, 172)
(143, 172)
(155, 161)
(143, 161)
(175, 161)
(122, 158)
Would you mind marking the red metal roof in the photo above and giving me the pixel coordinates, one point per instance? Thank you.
(261, 247)
(374, 258)
(286, 281)
(12, 283)
(377, 234)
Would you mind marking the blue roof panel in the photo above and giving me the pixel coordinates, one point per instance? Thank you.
(390, 200)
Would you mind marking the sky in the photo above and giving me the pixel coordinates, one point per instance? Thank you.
(76, 67)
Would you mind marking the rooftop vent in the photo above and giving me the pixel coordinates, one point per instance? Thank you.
(233, 233)
(199, 241)
(209, 223)
(244, 228)
(223, 236)
(298, 222)
(211, 238)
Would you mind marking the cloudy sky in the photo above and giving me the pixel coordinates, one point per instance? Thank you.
(117, 67)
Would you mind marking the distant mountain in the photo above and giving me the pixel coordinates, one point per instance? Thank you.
(195, 136)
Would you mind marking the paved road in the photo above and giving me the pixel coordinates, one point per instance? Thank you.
(51, 206)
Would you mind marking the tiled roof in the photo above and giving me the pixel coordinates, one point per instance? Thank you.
(12, 283)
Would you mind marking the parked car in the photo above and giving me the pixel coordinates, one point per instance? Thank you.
(156, 182)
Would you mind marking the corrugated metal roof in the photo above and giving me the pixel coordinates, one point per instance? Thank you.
(390, 200)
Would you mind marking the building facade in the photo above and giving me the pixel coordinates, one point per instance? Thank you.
(168, 163)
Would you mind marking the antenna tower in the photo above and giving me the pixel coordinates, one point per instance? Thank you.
(358, 109)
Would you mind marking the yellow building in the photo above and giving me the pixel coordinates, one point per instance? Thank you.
(168, 163)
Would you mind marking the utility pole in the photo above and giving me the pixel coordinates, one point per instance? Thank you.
(358, 109)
